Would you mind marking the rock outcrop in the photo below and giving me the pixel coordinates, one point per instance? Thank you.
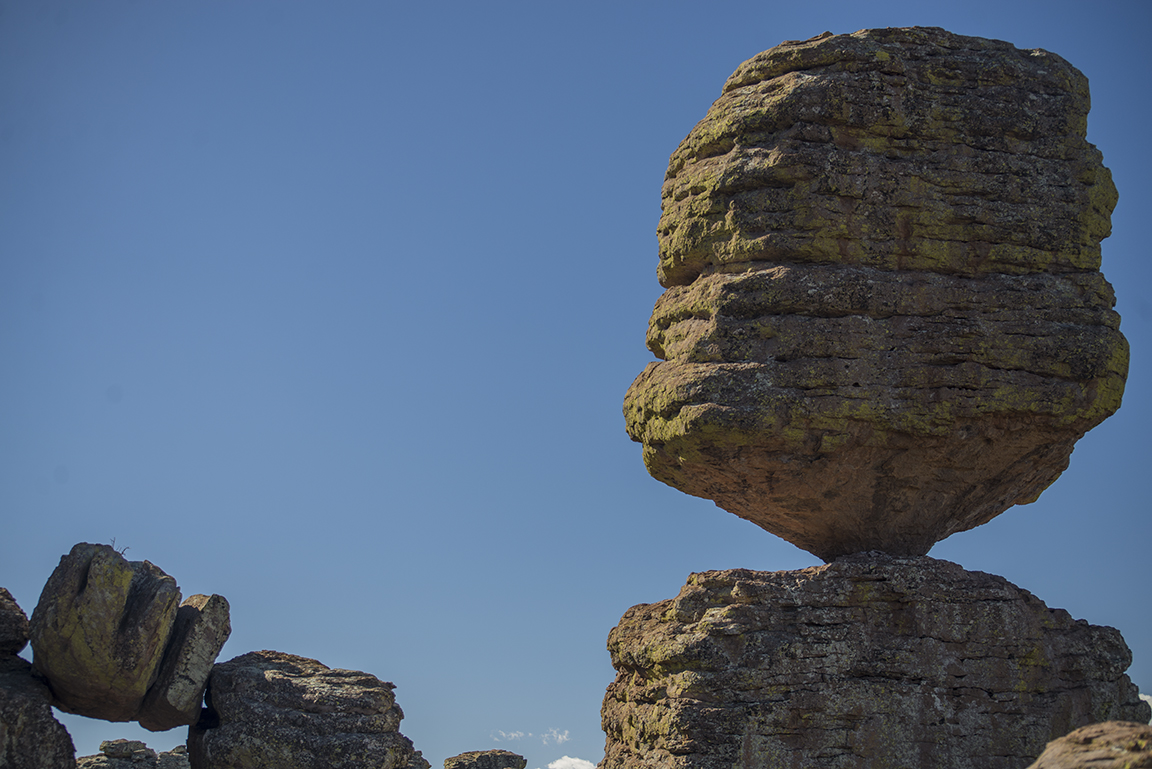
(1110, 745)
(268, 708)
(202, 626)
(872, 660)
(30, 735)
(133, 754)
(486, 759)
(100, 630)
(884, 319)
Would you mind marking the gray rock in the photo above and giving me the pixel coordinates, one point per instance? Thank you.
(486, 759)
(30, 736)
(13, 625)
(176, 698)
(871, 660)
(133, 754)
(270, 709)
(100, 630)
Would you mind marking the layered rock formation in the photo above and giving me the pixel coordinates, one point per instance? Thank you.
(30, 735)
(1110, 745)
(486, 759)
(268, 709)
(872, 660)
(884, 320)
(114, 642)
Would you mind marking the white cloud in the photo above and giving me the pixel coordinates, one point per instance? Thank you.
(555, 735)
(567, 762)
(500, 736)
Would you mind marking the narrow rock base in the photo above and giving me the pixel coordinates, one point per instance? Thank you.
(870, 661)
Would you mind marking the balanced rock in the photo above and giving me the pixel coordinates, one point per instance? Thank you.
(201, 628)
(268, 709)
(884, 320)
(486, 759)
(13, 625)
(30, 735)
(1110, 745)
(870, 661)
(133, 754)
(100, 630)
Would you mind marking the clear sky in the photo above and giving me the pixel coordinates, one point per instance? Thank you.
(330, 308)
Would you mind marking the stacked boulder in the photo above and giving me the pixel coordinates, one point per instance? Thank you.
(884, 323)
(30, 736)
(114, 642)
(133, 754)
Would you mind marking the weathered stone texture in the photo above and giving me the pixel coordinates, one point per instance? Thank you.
(268, 709)
(870, 661)
(13, 625)
(100, 630)
(1110, 745)
(884, 320)
(30, 735)
(202, 626)
(133, 754)
(486, 759)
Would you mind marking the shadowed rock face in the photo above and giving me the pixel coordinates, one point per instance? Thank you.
(870, 661)
(884, 321)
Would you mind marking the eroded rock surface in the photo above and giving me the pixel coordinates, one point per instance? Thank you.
(133, 754)
(870, 661)
(201, 628)
(884, 319)
(268, 709)
(100, 630)
(30, 735)
(13, 625)
(1110, 745)
(486, 759)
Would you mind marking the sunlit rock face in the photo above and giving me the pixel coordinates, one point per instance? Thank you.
(884, 319)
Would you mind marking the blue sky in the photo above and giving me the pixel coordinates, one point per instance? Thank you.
(330, 309)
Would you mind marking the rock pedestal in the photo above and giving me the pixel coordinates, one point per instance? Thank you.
(884, 319)
(870, 661)
(270, 709)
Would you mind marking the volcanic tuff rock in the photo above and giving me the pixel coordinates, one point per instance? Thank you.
(201, 627)
(486, 759)
(13, 625)
(884, 321)
(268, 709)
(1110, 745)
(100, 629)
(133, 754)
(873, 660)
(30, 736)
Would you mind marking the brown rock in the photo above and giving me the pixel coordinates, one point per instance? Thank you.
(1110, 745)
(269, 709)
(13, 625)
(884, 320)
(870, 661)
(100, 629)
(202, 627)
(486, 759)
(30, 736)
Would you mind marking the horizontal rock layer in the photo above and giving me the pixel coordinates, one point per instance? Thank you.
(884, 321)
(870, 661)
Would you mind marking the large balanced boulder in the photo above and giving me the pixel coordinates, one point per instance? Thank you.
(884, 319)
(1110, 745)
(201, 628)
(270, 709)
(100, 630)
(30, 735)
(13, 625)
(871, 661)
